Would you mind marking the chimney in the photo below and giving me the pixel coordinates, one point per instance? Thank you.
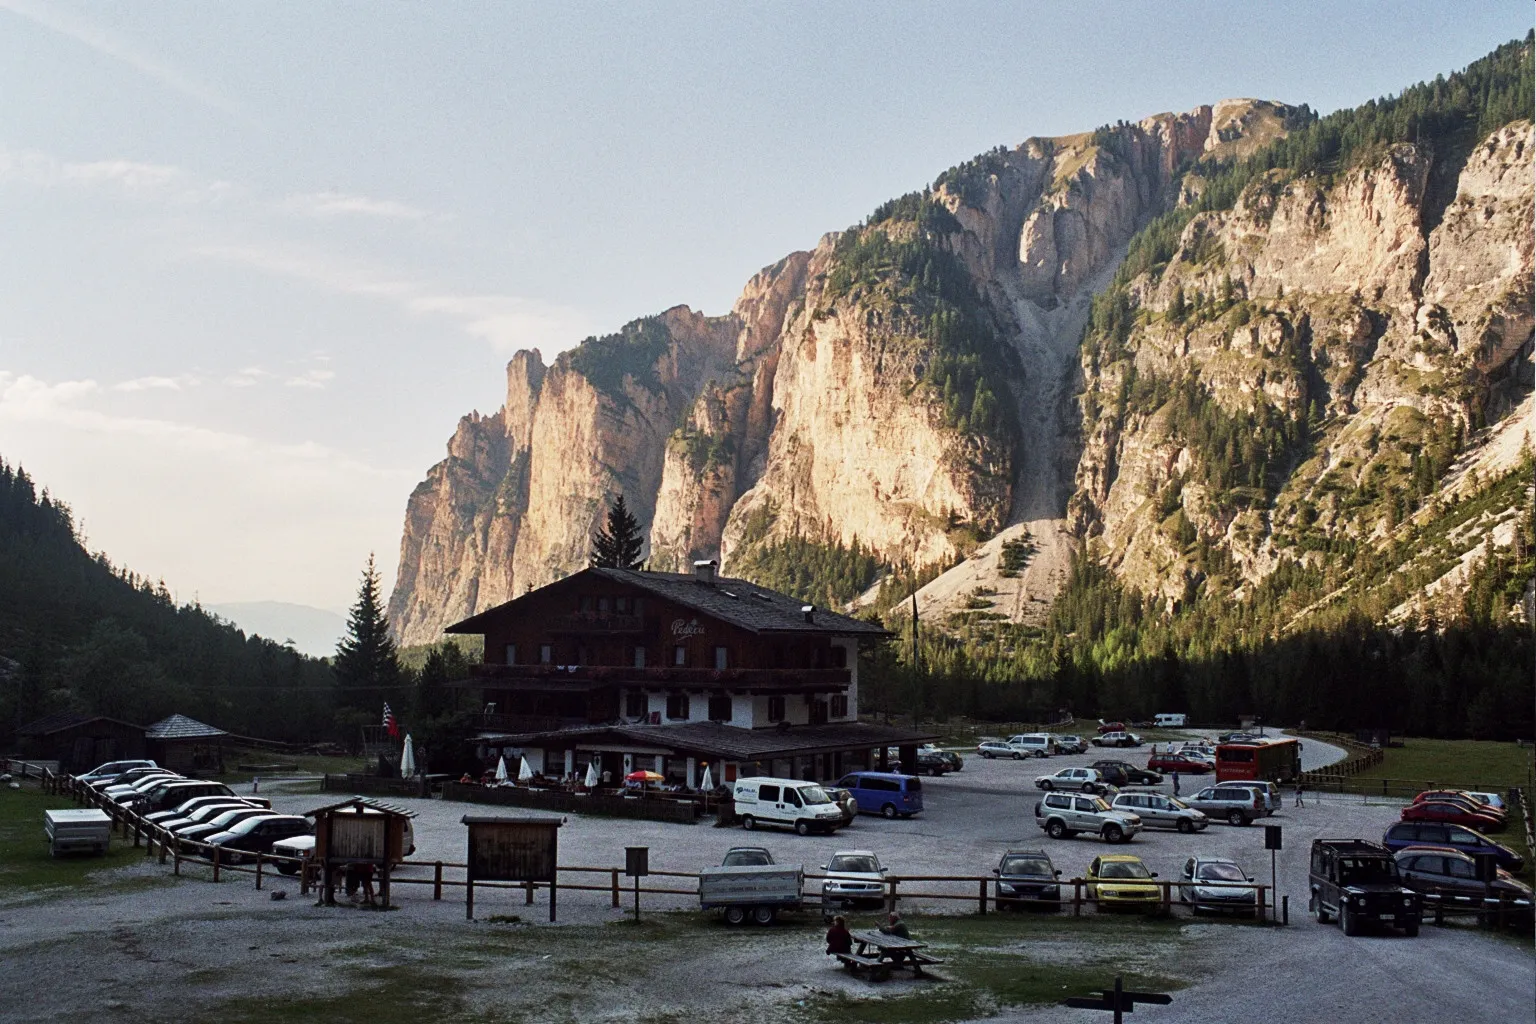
(808, 610)
(704, 570)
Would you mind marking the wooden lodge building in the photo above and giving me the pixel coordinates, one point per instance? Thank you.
(669, 672)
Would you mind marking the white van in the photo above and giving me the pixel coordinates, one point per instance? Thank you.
(1169, 721)
(792, 803)
(1040, 744)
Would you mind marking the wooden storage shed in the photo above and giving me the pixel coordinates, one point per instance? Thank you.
(80, 742)
(186, 745)
(359, 831)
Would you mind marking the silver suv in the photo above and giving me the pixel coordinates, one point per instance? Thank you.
(1063, 815)
(1089, 780)
(1233, 804)
(1157, 810)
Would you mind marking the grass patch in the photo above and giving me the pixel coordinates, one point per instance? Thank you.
(304, 764)
(1464, 764)
(27, 866)
(403, 994)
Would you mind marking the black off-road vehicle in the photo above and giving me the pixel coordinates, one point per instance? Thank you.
(1358, 881)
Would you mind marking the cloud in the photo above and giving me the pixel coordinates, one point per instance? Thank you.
(508, 322)
(177, 383)
(134, 179)
(248, 377)
(313, 378)
(333, 204)
(82, 31)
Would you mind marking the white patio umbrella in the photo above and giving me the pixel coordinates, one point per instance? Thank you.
(408, 758)
(524, 773)
(592, 777)
(501, 768)
(707, 782)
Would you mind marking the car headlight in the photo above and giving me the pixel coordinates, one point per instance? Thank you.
(1359, 901)
(1407, 901)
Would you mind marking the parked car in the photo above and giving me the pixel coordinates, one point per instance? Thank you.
(1216, 883)
(1267, 791)
(1063, 815)
(885, 793)
(1455, 837)
(1110, 727)
(176, 791)
(1493, 800)
(1449, 877)
(207, 812)
(1128, 774)
(927, 763)
(1451, 813)
(1181, 763)
(846, 802)
(1117, 739)
(1359, 881)
(1002, 748)
(188, 836)
(954, 760)
(1157, 810)
(255, 835)
(301, 848)
(1122, 881)
(182, 811)
(854, 877)
(112, 770)
(792, 803)
(1027, 878)
(1072, 744)
(1200, 752)
(102, 782)
(746, 856)
(1466, 802)
(120, 792)
(1037, 744)
(1088, 780)
(1232, 804)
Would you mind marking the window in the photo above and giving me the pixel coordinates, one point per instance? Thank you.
(1457, 868)
(639, 657)
(677, 705)
(546, 654)
(602, 605)
(621, 605)
(839, 657)
(840, 706)
(634, 606)
(720, 657)
(768, 794)
(791, 797)
(634, 704)
(511, 654)
(1458, 837)
(720, 709)
(818, 713)
(775, 709)
(680, 655)
(584, 604)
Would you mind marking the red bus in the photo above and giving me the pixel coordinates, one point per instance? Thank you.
(1277, 760)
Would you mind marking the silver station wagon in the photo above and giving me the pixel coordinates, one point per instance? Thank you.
(1158, 810)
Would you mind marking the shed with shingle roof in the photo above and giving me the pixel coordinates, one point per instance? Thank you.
(186, 745)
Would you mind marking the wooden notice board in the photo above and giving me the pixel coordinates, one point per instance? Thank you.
(508, 849)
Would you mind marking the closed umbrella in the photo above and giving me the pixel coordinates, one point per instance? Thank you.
(501, 769)
(592, 777)
(408, 758)
(707, 782)
(524, 773)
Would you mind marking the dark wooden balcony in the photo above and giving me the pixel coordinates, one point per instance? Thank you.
(665, 676)
(496, 722)
(596, 623)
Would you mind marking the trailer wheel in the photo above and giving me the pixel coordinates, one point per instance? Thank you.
(735, 915)
(764, 915)
(748, 822)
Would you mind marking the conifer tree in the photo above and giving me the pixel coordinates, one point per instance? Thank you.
(366, 665)
(618, 545)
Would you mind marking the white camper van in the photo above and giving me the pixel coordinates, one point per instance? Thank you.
(1169, 721)
(1038, 744)
(792, 803)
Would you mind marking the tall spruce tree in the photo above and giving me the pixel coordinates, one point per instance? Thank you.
(617, 546)
(366, 666)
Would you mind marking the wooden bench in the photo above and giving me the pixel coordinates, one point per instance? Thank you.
(878, 969)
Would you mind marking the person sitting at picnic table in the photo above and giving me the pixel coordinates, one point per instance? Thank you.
(839, 939)
(897, 927)
(465, 780)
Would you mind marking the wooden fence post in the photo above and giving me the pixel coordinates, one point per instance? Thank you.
(258, 869)
(437, 881)
(982, 898)
(1263, 894)
(1167, 897)
(615, 888)
(215, 863)
(1077, 897)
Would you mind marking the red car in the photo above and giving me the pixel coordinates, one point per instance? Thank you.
(1169, 762)
(1455, 814)
(1464, 800)
(1111, 727)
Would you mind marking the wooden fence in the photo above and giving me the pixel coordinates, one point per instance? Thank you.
(374, 785)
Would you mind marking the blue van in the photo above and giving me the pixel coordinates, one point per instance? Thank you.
(885, 793)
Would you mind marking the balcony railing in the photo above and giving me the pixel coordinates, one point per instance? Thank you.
(523, 723)
(662, 675)
(596, 622)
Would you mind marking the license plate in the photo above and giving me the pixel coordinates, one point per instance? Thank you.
(1388, 917)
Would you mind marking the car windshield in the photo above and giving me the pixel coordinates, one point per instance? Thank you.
(1124, 869)
(1222, 873)
(746, 858)
(1026, 866)
(814, 795)
(858, 863)
(1366, 870)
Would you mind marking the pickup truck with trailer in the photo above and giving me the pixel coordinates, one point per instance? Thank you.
(755, 892)
(76, 829)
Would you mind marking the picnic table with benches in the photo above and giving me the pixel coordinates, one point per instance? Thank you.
(879, 953)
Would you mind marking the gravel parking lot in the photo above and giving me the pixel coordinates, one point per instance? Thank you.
(196, 951)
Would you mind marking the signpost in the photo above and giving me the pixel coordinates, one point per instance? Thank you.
(637, 864)
(1272, 844)
(1117, 1000)
(511, 850)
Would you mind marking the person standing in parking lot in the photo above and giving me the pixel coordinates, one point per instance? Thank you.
(1299, 802)
(1175, 783)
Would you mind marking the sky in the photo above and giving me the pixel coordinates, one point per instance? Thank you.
(258, 259)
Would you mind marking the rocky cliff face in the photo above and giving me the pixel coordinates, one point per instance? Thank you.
(922, 383)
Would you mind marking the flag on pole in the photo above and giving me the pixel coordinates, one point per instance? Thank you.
(391, 727)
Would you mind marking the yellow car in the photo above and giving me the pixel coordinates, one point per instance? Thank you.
(1120, 880)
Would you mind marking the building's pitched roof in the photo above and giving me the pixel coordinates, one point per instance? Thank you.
(180, 727)
(61, 720)
(728, 741)
(363, 803)
(736, 601)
